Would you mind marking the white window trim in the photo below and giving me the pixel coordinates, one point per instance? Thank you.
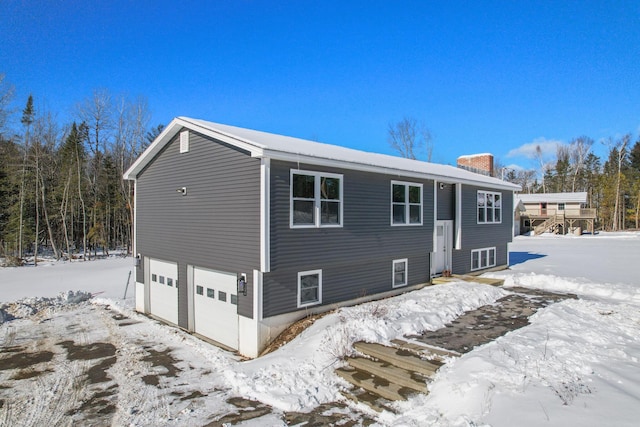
(407, 205)
(309, 273)
(317, 200)
(184, 141)
(485, 207)
(393, 272)
(480, 251)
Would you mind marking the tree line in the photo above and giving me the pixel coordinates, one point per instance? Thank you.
(612, 187)
(61, 186)
(62, 191)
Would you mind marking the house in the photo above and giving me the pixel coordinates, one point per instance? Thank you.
(238, 233)
(559, 213)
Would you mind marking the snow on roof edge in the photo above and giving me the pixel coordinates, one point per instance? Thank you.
(259, 143)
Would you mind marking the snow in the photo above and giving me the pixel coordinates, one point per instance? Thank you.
(105, 278)
(577, 363)
(304, 151)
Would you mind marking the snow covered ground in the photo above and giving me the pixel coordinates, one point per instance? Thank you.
(577, 363)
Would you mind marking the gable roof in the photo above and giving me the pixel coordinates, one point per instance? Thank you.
(279, 147)
(553, 198)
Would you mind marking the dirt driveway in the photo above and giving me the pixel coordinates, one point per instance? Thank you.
(85, 364)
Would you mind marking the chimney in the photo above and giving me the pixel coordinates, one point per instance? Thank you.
(478, 163)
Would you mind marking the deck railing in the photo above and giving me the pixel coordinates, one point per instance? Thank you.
(569, 213)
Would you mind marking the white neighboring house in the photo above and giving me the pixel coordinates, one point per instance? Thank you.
(558, 213)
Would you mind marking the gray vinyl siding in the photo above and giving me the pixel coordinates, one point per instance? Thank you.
(356, 259)
(477, 236)
(216, 225)
(446, 202)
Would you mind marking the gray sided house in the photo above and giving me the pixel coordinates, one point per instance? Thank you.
(239, 233)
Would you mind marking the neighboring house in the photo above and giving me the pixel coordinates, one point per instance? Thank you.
(239, 233)
(559, 213)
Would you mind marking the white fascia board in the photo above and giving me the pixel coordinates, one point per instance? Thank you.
(343, 164)
(172, 129)
(154, 148)
(253, 148)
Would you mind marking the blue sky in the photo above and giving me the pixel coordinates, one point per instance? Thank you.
(483, 76)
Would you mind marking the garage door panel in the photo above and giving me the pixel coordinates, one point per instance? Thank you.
(163, 290)
(215, 306)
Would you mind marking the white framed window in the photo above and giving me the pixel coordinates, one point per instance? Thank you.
(400, 272)
(309, 288)
(483, 258)
(184, 141)
(489, 207)
(560, 206)
(316, 199)
(406, 203)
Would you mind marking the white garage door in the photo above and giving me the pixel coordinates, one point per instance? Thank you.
(163, 290)
(215, 303)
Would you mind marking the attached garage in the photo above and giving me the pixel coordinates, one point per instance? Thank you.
(163, 290)
(215, 306)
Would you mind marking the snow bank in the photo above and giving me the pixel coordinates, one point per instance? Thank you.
(28, 307)
(300, 375)
(584, 289)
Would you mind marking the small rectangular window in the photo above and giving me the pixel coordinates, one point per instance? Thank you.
(483, 258)
(309, 288)
(222, 296)
(199, 290)
(234, 299)
(154, 277)
(211, 293)
(184, 141)
(161, 281)
(169, 281)
(560, 206)
(399, 272)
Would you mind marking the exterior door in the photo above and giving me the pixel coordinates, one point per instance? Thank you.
(163, 290)
(444, 244)
(215, 306)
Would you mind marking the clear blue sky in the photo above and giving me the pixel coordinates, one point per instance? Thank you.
(483, 76)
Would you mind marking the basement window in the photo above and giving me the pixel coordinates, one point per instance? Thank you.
(483, 258)
(309, 288)
(400, 272)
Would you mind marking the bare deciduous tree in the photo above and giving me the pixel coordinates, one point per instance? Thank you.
(409, 138)
(578, 150)
(6, 95)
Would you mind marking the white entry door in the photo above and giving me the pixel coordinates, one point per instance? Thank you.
(163, 290)
(444, 243)
(215, 306)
